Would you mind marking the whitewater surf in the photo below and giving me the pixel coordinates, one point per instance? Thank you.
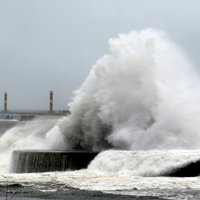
(142, 95)
(140, 106)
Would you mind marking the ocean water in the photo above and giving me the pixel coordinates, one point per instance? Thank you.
(84, 184)
(113, 174)
(140, 106)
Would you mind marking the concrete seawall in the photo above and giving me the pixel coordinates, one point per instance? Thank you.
(27, 161)
(30, 114)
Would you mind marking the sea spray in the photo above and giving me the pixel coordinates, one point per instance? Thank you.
(143, 95)
(145, 163)
(40, 133)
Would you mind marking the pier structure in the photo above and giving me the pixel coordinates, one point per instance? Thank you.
(24, 115)
(30, 161)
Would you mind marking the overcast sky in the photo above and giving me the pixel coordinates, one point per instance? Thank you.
(52, 44)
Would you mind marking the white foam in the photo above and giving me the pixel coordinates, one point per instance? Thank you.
(94, 180)
(40, 133)
(143, 95)
(143, 163)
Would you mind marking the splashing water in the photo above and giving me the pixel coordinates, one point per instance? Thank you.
(143, 163)
(40, 133)
(143, 95)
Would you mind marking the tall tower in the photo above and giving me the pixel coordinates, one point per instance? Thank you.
(51, 101)
(5, 101)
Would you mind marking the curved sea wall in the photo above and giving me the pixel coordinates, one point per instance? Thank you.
(138, 163)
(27, 161)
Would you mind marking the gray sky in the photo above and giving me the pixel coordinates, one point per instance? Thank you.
(52, 44)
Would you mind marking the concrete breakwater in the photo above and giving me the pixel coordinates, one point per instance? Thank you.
(25, 115)
(186, 164)
(27, 161)
(29, 115)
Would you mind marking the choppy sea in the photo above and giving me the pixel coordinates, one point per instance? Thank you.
(85, 184)
(114, 175)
